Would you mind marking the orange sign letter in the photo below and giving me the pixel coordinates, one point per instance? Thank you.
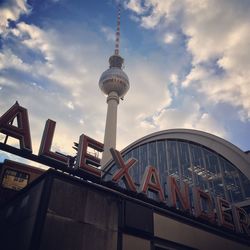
(151, 182)
(122, 172)
(85, 160)
(22, 130)
(46, 143)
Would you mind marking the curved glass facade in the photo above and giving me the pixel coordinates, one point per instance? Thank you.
(191, 163)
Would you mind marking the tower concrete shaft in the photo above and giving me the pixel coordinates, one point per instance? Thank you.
(110, 129)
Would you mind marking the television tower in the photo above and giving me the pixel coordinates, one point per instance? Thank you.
(115, 84)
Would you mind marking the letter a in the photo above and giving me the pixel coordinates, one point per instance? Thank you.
(22, 130)
(151, 181)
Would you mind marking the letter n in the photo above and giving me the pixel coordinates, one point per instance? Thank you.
(176, 193)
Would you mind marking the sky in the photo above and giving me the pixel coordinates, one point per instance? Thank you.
(187, 61)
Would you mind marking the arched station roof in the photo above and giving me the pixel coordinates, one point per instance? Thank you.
(226, 149)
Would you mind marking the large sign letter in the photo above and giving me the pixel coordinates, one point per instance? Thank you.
(46, 143)
(203, 205)
(122, 172)
(224, 215)
(178, 197)
(241, 219)
(22, 130)
(85, 160)
(151, 181)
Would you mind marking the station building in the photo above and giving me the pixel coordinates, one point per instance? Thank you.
(67, 211)
(194, 157)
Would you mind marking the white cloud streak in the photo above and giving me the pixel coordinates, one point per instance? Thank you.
(11, 10)
(218, 36)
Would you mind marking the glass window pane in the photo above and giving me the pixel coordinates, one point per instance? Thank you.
(162, 161)
(214, 174)
(245, 184)
(143, 159)
(198, 167)
(232, 181)
(172, 155)
(185, 164)
(152, 154)
(135, 169)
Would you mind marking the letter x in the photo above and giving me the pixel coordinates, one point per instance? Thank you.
(122, 172)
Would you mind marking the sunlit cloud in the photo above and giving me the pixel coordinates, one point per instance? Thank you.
(169, 38)
(217, 35)
(11, 11)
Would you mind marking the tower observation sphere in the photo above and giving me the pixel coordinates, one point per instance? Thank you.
(114, 79)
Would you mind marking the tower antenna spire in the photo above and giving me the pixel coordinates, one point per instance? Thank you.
(117, 34)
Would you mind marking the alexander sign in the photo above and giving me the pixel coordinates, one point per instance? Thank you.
(224, 214)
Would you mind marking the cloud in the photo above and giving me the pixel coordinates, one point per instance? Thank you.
(11, 11)
(173, 78)
(53, 82)
(197, 73)
(10, 60)
(150, 22)
(70, 105)
(168, 38)
(154, 11)
(135, 5)
(217, 37)
(188, 115)
(148, 93)
(36, 39)
(109, 33)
